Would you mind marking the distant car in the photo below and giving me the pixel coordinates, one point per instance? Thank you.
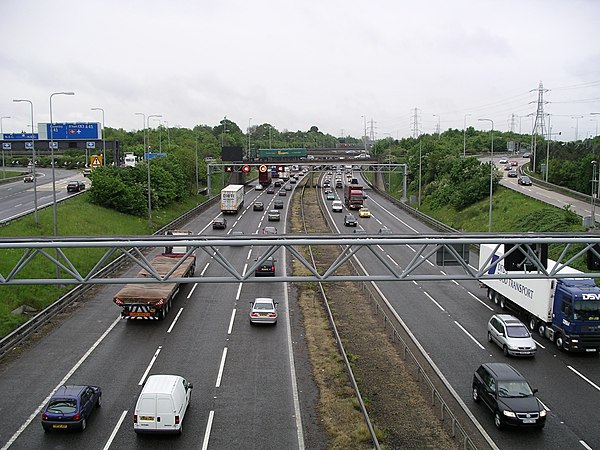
(364, 212)
(75, 186)
(527, 155)
(70, 406)
(278, 204)
(514, 163)
(263, 310)
(86, 172)
(508, 167)
(259, 187)
(512, 174)
(288, 187)
(282, 193)
(258, 206)
(330, 196)
(219, 223)
(337, 206)
(508, 395)
(266, 268)
(385, 230)
(510, 335)
(273, 215)
(360, 231)
(28, 179)
(350, 220)
(503, 161)
(525, 180)
(293, 180)
(269, 230)
(270, 190)
(277, 183)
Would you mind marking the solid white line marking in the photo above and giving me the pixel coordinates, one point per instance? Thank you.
(115, 430)
(35, 414)
(479, 300)
(433, 300)
(204, 270)
(211, 416)
(582, 442)
(150, 365)
(192, 290)
(469, 334)
(231, 321)
(594, 385)
(539, 345)
(175, 320)
(221, 367)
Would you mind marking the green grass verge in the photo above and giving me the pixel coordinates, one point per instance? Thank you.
(75, 217)
(10, 174)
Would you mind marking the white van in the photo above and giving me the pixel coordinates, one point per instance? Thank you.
(336, 206)
(162, 404)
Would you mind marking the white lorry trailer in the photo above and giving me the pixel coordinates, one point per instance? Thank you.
(564, 310)
(232, 198)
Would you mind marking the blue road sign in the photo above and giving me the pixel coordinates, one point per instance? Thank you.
(18, 136)
(68, 131)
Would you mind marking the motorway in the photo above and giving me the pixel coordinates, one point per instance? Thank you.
(17, 198)
(251, 385)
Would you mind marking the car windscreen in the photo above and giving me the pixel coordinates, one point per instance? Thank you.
(518, 331)
(263, 306)
(62, 406)
(516, 388)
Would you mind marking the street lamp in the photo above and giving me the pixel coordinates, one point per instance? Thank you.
(2, 137)
(53, 174)
(197, 187)
(465, 136)
(594, 164)
(168, 135)
(148, 167)
(159, 134)
(103, 136)
(248, 155)
(223, 132)
(576, 126)
(35, 205)
(491, 172)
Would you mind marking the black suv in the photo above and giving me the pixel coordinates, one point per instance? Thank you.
(508, 395)
(75, 186)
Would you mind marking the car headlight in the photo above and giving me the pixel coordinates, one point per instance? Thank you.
(543, 413)
(509, 413)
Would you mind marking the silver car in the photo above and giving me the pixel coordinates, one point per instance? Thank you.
(511, 335)
(263, 310)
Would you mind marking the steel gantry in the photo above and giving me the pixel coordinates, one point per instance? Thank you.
(20, 257)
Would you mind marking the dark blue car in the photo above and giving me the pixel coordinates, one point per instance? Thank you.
(70, 406)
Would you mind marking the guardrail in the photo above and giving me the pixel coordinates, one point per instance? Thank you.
(14, 338)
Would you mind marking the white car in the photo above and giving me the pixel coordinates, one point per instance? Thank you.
(503, 161)
(263, 310)
(336, 206)
(259, 187)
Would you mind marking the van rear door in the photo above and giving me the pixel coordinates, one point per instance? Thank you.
(146, 410)
(165, 413)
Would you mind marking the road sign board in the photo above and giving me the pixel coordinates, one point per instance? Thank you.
(18, 136)
(6, 146)
(96, 160)
(70, 131)
(90, 145)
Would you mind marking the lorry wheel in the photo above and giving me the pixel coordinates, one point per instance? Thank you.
(560, 343)
(542, 329)
(502, 302)
(532, 323)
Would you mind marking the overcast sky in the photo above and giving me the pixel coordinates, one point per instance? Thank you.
(295, 64)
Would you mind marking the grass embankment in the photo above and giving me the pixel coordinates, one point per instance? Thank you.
(76, 217)
(10, 174)
(401, 415)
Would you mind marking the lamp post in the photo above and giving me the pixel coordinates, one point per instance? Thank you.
(197, 187)
(248, 154)
(594, 164)
(223, 132)
(103, 136)
(465, 136)
(576, 126)
(159, 133)
(148, 167)
(35, 204)
(365, 131)
(168, 135)
(491, 172)
(2, 137)
(53, 174)
(420, 165)
(596, 120)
